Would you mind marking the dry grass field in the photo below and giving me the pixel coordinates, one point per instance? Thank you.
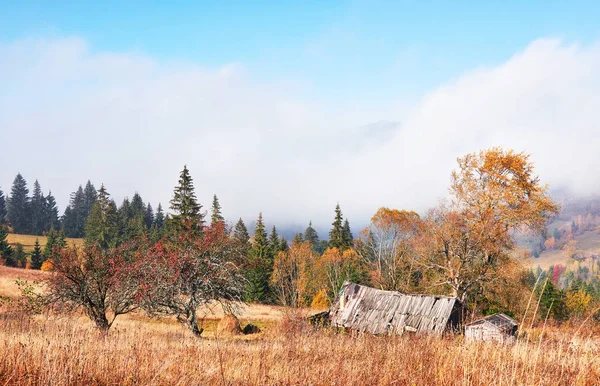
(68, 350)
(28, 241)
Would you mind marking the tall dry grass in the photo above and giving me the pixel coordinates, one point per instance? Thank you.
(139, 351)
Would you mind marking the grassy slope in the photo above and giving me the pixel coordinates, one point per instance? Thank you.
(28, 241)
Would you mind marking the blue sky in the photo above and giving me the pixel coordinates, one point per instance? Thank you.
(266, 101)
(361, 48)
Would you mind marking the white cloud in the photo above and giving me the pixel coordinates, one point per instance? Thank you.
(69, 114)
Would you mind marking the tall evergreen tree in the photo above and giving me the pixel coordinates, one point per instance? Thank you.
(135, 223)
(54, 239)
(37, 209)
(18, 206)
(283, 244)
(347, 238)
(5, 248)
(216, 215)
(102, 226)
(51, 212)
(159, 219)
(89, 198)
(240, 233)
(37, 258)
(75, 214)
(311, 235)
(298, 238)
(19, 258)
(274, 246)
(2, 208)
(149, 216)
(187, 215)
(259, 265)
(336, 235)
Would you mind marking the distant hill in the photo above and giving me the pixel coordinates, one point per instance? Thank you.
(573, 238)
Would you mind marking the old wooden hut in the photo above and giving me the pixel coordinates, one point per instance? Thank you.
(497, 327)
(367, 309)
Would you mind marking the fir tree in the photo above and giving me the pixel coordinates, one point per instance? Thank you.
(89, 198)
(37, 209)
(5, 248)
(37, 258)
(283, 244)
(54, 239)
(76, 214)
(274, 246)
(311, 235)
(240, 234)
(159, 219)
(2, 208)
(18, 206)
(347, 238)
(135, 225)
(298, 238)
(260, 265)
(149, 216)
(336, 235)
(187, 215)
(216, 216)
(102, 227)
(19, 256)
(51, 212)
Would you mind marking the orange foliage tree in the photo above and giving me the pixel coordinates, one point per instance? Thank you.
(335, 267)
(467, 242)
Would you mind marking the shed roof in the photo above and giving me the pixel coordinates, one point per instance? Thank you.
(499, 320)
(376, 311)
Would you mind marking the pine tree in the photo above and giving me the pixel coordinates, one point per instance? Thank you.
(298, 238)
(54, 239)
(149, 216)
(311, 235)
(37, 208)
(2, 208)
(19, 256)
(187, 216)
(5, 248)
(102, 226)
(283, 244)
(135, 225)
(89, 198)
(347, 238)
(260, 265)
(37, 258)
(240, 233)
(159, 220)
(274, 246)
(51, 212)
(75, 214)
(336, 235)
(18, 206)
(216, 216)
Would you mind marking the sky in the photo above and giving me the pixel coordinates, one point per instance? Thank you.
(288, 108)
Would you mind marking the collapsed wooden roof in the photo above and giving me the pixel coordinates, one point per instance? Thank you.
(368, 309)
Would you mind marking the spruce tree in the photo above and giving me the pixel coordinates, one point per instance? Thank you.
(89, 198)
(274, 246)
(37, 258)
(240, 232)
(2, 208)
(5, 248)
(216, 215)
(149, 216)
(135, 226)
(18, 206)
(159, 219)
(102, 227)
(37, 209)
(260, 265)
(75, 214)
(19, 258)
(51, 212)
(298, 238)
(54, 239)
(311, 235)
(336, 235)
(187, 215)
(283, 244)
(348, 239)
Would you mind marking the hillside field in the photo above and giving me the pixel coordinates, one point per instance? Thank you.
(28, 241)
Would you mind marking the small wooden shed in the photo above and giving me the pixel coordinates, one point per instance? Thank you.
(497, 327)
(367, 309)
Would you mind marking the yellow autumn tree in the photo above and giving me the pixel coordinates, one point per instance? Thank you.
(578, 303)
(291, 275)
(468, 241)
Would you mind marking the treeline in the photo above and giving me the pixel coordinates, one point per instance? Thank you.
(38, 214)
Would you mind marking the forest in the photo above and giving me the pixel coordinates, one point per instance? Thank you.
(172, 263)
